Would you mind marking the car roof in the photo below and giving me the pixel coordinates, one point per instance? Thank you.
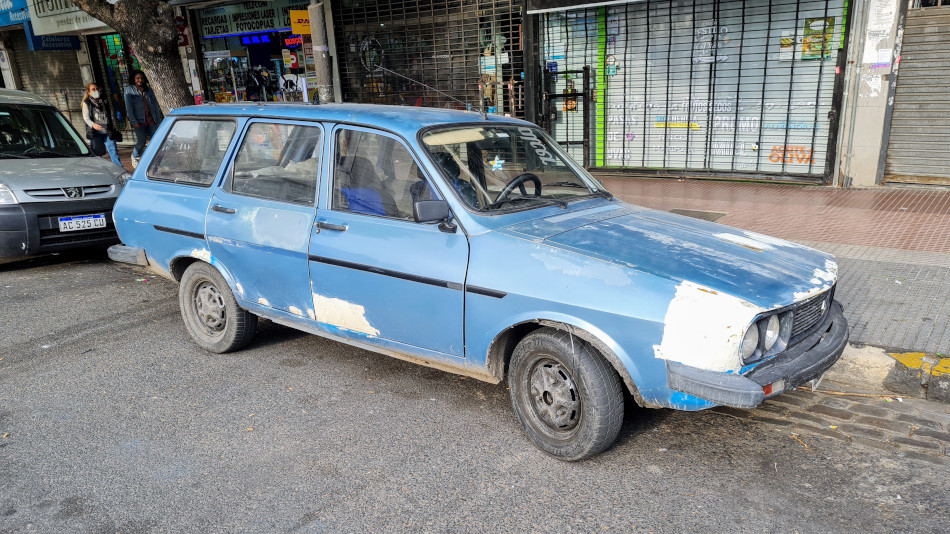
(12, 96)
(395, 118)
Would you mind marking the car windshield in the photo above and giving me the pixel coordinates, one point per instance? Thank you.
(37, 132)
(500, 168)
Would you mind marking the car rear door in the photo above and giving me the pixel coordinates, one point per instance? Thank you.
(259, 220)
(375, 272)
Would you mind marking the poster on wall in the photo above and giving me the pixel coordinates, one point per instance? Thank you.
(819, 37)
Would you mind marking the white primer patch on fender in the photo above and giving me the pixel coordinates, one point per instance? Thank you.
(296, 311)
(203, 254)
(704, 328)
(822, 278)
(240, 288)
(342, 314)
(263, 302)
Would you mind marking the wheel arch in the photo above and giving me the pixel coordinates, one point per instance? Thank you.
(503, 346)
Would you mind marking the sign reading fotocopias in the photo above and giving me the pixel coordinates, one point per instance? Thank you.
(248, 17)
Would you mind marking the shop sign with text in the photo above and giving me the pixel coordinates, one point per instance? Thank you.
(50, 17)
(248, 17)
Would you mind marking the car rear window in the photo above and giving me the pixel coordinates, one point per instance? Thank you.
(192, 151)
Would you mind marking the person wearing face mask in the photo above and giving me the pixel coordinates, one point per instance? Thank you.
(144, 113)
(100, 130)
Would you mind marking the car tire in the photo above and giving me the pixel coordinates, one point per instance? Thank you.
(211, 313)
(568, 398)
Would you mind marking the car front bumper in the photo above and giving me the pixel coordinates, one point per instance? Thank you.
(33, 228)
(805, 361)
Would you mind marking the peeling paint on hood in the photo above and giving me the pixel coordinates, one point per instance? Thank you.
(763, 270)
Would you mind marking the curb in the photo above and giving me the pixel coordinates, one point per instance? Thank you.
(921, 375)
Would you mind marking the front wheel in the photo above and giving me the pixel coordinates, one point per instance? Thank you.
(568, 399)
(211, 313)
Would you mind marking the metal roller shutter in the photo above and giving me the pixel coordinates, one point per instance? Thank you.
(920, 125)
(432, 53)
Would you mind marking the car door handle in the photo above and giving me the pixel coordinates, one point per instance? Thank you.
(222, 209)
(329, 226)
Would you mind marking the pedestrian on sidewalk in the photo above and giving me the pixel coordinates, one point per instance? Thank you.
(143, 110)
(100, 129)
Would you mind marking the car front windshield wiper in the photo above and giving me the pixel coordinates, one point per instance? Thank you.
(547, 201)
(12, 155)
(601, 193)
(45, 153)
(567, 184)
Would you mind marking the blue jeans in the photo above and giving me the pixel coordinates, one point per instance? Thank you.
(101, 144)
(142, 134)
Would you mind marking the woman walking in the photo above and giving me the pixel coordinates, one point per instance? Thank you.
(100, 130)
(143, 110)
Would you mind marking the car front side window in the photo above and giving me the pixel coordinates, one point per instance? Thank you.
(192, 151)
(278, 162)
(376, 175)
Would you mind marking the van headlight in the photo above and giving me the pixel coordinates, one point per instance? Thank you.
(7, 196)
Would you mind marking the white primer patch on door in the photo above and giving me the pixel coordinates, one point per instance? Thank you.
(342, 314)
(704, 328)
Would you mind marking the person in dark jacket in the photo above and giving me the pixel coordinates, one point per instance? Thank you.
(144, 113)
(100, 130)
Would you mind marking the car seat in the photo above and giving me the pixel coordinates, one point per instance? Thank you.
(361, 189)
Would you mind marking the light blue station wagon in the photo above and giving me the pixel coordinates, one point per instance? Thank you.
(474, 245)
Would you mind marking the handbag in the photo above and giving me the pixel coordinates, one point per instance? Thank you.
(116, 136)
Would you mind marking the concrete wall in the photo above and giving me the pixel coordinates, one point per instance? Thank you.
(872, 64)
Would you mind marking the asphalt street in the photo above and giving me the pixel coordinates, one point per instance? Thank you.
(112, 420)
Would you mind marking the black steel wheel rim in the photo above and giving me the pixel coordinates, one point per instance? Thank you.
(210, 309)
(553, 396)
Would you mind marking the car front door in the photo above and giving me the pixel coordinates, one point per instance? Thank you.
(375, 272)
(258, 222)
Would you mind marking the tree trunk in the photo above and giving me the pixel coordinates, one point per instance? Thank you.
(148, 26)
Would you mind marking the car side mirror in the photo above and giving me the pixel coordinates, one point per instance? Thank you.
(425, 211)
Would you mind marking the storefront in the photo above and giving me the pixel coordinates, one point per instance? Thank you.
(13, 15)
(920, 123)
(434, 53)
(249, 51)
(711, 87)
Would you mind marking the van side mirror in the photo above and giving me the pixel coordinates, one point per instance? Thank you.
(425, 211)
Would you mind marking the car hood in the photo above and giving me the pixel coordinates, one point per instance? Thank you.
(765, 271)
(24, 175)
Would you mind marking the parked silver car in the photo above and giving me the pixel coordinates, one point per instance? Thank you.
(54, 193)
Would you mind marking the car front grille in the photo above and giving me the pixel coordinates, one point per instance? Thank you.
(810, 312)
(89, 191)
(50, 236)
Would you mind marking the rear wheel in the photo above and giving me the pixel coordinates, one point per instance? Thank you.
(210, 312)
(568, 399)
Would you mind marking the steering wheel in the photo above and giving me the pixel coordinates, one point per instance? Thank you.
(519, 182)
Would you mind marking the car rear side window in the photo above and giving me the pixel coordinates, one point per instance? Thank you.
(192, 152)
(278, 162)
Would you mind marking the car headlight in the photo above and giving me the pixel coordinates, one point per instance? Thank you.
(7, 196)
(124, 177)
(750, 341)
(772, 330)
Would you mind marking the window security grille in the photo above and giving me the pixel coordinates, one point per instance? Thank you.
(705, 86)
(411, 52)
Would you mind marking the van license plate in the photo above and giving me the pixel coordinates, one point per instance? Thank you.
(82, 222)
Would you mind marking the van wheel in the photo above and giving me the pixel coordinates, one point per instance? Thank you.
(568, 399)
(211, 314)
